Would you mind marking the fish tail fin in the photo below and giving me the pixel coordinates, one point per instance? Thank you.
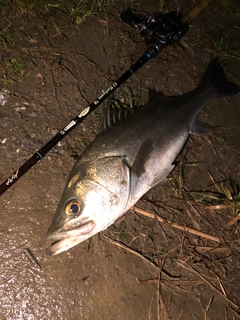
(215, 75)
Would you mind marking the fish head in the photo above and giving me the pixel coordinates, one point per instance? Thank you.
(94, 197)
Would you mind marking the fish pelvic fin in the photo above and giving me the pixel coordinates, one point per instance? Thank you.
(215, 75)
(200, 128)
(162, 177)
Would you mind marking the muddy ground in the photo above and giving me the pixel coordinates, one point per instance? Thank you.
(139, 268)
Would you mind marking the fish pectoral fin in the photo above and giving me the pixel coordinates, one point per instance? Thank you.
(143, 155)
(200, 128)
(160, 178)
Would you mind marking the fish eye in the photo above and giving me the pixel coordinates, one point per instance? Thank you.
(73, 208)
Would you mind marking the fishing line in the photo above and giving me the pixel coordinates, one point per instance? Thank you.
(159, 31)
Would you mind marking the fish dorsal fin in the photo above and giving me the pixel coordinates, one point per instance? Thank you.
(154, 95)
(113, 113)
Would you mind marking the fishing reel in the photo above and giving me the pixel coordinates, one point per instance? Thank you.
(160, 29)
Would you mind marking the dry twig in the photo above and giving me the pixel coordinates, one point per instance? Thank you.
(188, 267)
(234, 220)
(123, 246)
(177, 226)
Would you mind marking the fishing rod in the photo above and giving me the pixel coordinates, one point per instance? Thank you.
(159, 31)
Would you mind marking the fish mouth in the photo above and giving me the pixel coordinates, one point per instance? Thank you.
(64, 240)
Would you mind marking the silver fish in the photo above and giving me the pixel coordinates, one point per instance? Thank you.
(128, 159)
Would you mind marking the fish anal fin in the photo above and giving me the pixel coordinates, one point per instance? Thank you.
(160, 178)
(143, 155)
(200, 128)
